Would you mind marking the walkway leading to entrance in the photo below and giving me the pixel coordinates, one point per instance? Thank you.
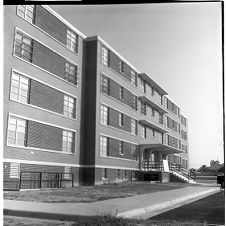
(140, 206)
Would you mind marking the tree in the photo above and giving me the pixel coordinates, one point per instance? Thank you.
(221, 170)
(203, 168)
(193, 170)
(212, 162)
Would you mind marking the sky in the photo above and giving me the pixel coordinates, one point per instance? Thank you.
(179, 46)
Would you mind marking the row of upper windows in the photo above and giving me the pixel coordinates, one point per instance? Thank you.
(28, 13)
(105, 59)
(133, 75)
(104, 148)
(172, 124)
(104, 119)
(153, 132)
(20, 91)
(144, 109)
(17, 135)
(154, 92)
(173, 142)
(184, 148)
(172, 107)
(23, 48)
(105, 88)
(184, 134)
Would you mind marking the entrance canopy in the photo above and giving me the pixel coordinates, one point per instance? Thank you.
(160, 148)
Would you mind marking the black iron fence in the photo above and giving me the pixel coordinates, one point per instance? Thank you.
(34, 180)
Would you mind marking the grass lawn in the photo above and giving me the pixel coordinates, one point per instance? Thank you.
(93, 221)
(90, 193)
(210, 209)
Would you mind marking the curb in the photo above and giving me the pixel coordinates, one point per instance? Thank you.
(159, 208)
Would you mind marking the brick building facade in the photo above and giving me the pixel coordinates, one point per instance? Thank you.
(77, 112)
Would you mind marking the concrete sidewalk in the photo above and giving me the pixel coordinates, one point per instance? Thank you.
(140, 206)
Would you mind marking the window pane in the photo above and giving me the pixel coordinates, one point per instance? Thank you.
(12, 134)
(11, 140)
(12, 120)
(20, 142)
(12, 127)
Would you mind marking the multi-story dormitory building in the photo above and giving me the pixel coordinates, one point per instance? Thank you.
(76, 112)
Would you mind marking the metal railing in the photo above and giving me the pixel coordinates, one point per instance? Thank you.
(152, 166)
(158, 166)
(182, 171)
(32, 180)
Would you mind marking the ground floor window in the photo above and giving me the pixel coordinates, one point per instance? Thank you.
(14, 170)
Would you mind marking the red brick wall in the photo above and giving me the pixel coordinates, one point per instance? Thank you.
(48, 60)
(114, 120)
(44, 136)
(50, 24)
(46, 97)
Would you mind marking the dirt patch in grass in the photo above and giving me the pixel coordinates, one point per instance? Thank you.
(89, 193)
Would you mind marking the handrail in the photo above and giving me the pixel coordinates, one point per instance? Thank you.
(182, 171)
(151, 165)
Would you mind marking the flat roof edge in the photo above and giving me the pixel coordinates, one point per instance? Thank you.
(97, 37)
(63, 20)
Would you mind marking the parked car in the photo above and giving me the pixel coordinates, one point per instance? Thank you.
(220, 180)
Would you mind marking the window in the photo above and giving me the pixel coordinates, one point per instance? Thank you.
(153, 112)
(14, 170)
(68, 141)
(160, 99)
(121, 123)
(72, 41)
(172, 141)
(17, 131)
(104, 146)
(143, 86)
(133, 78)
(152, 91)
(121, 148)
(26, 12)
(125, 175)
(133, 126)
(118, 174)
(69, 106)
(143, 108)
(161, 118)
(134, 152)
(105, 85)
(70, 73)
(121, 93)
(104, 173)
(183, 120)
(23, 46)
(67, 170)
(183, 134)
(104, 55)
(134, 102)
(104, 115)
(153, 133)
(121, 66)
(143, 131)
(19, 88)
